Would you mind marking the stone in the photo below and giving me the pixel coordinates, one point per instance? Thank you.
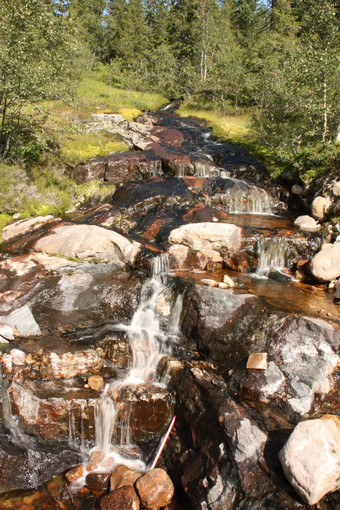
(178, 255)
(96, 382)
(333, 417)
(336, 189)
(22, 322)
(132, 166)
(122, 476)
(155, 488)
(307, 223)
(89, 242)
(257, 361)
(311, 459)
(24, 226)
(123, 498)
(337, 292)
(305, 350)
(320, 207)
(98, 481)
(325, 265)
(228, 281)
(209, 282)
(75, 473)
(297, 190)
(70, 364)
(222, 238)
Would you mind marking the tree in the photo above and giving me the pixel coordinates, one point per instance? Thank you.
(38, 60)
(89, 15)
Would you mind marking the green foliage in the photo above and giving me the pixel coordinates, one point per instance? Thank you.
(39, 59)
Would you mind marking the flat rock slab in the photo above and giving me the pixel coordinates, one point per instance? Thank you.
(311, 459)
(89, 242)
(24, 226)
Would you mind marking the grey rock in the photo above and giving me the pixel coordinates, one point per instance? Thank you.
(311, 459)
(22, 322)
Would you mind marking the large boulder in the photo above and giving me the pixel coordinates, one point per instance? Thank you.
(311, 459)
(209, 242)
(89, 242)
(325, 265)
(307, 223)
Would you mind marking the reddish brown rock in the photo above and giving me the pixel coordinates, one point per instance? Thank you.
(75, 473)
(98, 481)
(123, 476)
(123, 498)
(155, 488)
(134, 166)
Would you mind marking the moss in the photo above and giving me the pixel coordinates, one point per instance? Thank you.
(80, 148)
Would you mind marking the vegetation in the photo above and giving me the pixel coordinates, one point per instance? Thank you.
(264, 73)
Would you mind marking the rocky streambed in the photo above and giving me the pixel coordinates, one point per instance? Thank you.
(189, 292)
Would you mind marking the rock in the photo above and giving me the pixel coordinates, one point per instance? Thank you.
(311, 459)
(210, 242)
(89, 242)
(247, 442)
(305, 350)
(337, 292)
(22, 322)
(178, 254)
(75, 473)
(297, 190)
(132, 166)
(325, 265)
(257, 361)
(98, 481)
(262, 386)
(228, 281)
(155, 488)
(209, 282)
(336, 189)
(51, 263)
(122, 476)
(307, 223)
(55, 365)
(96, 382)
(93, 169)
(320, 207)
(123, 498)
(333, 417)
(24, 226)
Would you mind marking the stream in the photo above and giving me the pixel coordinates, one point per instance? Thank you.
(125, 313)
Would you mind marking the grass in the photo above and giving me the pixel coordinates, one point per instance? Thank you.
(235, 129)
(44, 188)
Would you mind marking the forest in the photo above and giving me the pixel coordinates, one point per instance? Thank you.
(272, 66)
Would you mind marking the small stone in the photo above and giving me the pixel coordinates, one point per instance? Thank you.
(222, 285)
(97, 456)
(75, 473)
(320, 207)
(98, 481)
(155, 488)
(297, 190)
(257, 361)
(209, 282)
(228, 281)
(336, 189)
(215, 220)
(124, 498)
(123, 475)
(96, 382)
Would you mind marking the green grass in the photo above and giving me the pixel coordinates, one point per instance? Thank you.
(236, 130)
(80, 148)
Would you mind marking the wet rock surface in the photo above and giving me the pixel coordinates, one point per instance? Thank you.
(76, 293)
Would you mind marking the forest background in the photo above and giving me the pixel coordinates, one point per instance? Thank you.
(265, 74)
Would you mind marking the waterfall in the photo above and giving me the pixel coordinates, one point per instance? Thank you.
(242, 198)
(271, 255)
(149, 344)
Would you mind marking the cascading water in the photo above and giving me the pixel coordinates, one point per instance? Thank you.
(242, 198)
(271, 256)
(149, 343)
